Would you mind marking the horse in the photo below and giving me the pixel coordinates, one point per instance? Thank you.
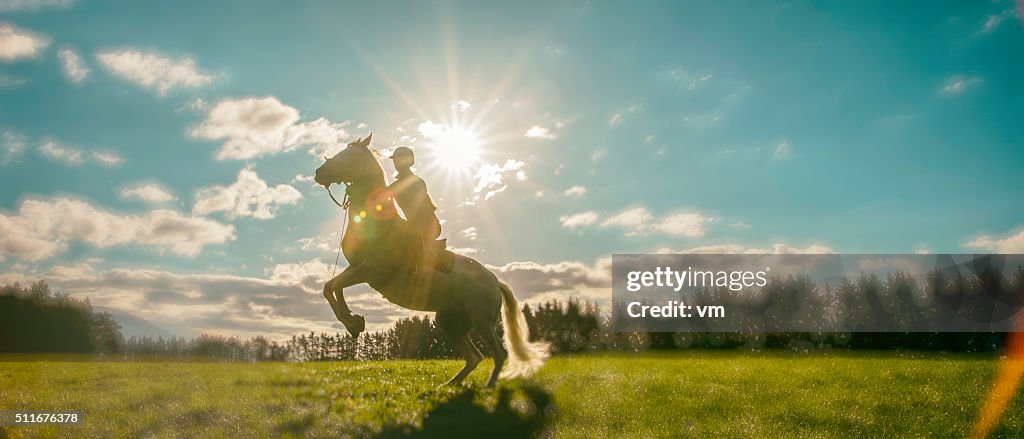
(466, 297)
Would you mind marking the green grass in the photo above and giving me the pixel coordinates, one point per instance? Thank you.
(654, 395)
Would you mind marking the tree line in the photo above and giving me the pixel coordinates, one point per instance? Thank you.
(54, 322)
(38, 320)
(566, 326)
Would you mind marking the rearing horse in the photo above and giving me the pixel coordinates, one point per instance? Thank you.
(468, 297)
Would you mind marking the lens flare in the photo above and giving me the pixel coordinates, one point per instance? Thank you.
(1005, 384)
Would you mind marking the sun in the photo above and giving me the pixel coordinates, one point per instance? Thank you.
(454, 148)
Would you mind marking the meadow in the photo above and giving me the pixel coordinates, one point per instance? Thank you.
(694, 393)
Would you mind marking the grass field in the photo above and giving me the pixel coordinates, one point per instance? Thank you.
(653, 395)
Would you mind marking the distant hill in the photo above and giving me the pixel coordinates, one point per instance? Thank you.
(135, 326)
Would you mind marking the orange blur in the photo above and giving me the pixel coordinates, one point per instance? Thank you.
(1005, 385)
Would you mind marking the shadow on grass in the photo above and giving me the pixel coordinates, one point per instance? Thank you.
(296, 427)
(461, 417)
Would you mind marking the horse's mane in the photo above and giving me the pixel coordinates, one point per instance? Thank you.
(375, 164)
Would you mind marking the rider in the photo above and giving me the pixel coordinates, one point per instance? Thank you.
(411, 193)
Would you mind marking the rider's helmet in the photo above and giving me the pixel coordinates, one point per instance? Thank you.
(403, 157)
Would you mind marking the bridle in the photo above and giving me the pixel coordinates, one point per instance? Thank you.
(344, 205)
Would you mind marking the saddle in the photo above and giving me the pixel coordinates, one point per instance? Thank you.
(434, 254)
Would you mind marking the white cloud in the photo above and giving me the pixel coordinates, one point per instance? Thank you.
(198, 104)
(7, 81)
(491, 177)
(308, 179)
(582, 219)
(53, 150)
(567, 278)
(153, 71)
(575, 191)
(258, 121)
(64, 154)
(43, 228)
(491, 193)
(323, 242)
(638, 221)
(692, 81)
(782, 150)
(460, 106)
(252, 127)
(151, 192)
(635, 220)
(615, 120)
(701, 120)
(431, 129)
(469, 233)
(312, 272)
(539, 132)
(1011, 244)
(739, 225)
(958, 84)
(14, 145)
(464, 250)
(737, 249)
(16, 44)
(684, 224)
(31, 5)
(993, 21)
(326, 138)
(698, 82)
(107, 158)
(247, 196)
(72, 65)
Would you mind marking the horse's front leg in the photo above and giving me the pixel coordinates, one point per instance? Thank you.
(352, 275)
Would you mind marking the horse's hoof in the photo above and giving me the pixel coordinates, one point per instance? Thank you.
(355, 324)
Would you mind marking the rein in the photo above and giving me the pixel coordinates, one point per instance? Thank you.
(335, 200)
(344, 224)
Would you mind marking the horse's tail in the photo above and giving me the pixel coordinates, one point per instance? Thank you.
(524, 357)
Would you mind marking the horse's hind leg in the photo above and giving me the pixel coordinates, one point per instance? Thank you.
(485, 321)
(491, 339)
(456, 327)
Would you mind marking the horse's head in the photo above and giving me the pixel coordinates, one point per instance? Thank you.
(354, 164)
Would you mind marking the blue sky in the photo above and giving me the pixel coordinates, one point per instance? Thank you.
(155, 157)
